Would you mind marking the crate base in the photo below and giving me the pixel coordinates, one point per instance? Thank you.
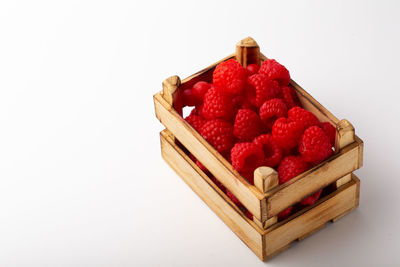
(278, 237)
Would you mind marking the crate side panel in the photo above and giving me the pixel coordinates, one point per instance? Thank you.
(341, 202)
(235, 220)
(248, 195)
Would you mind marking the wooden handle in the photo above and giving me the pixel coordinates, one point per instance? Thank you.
(265, 178)
(345, 134)
(248, 52)
(170, 87)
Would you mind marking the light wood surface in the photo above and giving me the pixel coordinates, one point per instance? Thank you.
(344, 180)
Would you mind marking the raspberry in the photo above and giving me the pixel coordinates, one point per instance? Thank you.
(287, 133)
(272, 152)
(290, 97)
(311, 199)
(229, 77)
(189, 99)
(290, 167)
(247, 125)
(246, 157)
(248, 214)
(260, 88)
(314, 145)
(216, 105)
(218, 183)
(219, 134)
(201, 166)
(233, 198)
(252, 69)
(248, 175)
(329, 130)
(305, 117)
(284, 214)
(200, 89)
(275, 71)
(195, 121)
(271, 110)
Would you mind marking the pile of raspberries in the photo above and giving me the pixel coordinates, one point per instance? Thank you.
(253, 118)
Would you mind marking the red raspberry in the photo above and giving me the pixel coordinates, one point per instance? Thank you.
(248, 175)
(246, 157)
(329, 130)
(275, 71)
(252, 69)
(247, 125)
(218, 183)
(233, 198)
(290, 97)
(272, 152)
(197, 122)
(284, 214)
(260, 88)
(311, 199)
(200, 89)
(201, 166)
(219, 134)
(290, 167)
(229, 77)
(248, 214)
(216, 105)
(189, 99)
(271, 110)
(306, 118)
(314, 145)
(287, 132)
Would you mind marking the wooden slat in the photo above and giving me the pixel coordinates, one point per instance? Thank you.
(212, 195)
(344, 180)
(312, 180)
(341, 201)
(247, 194)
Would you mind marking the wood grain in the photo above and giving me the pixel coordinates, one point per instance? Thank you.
(247, 194)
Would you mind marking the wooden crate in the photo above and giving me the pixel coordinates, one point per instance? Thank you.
(264, 235)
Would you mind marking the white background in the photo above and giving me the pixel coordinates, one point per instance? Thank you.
(82, 182)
